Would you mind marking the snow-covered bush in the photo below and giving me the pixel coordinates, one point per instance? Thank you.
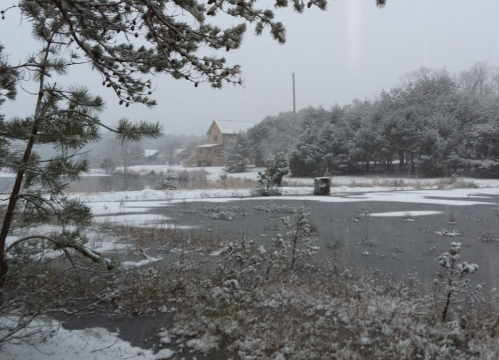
(293, 247)
(220, 212)
(454, 280)
(270, 180)
(275, 208)
(299, 236)
(276, 255)
(240, 260)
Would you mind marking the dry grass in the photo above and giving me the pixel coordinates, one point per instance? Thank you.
(165, 239)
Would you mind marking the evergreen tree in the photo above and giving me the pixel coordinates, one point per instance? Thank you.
(270, 180)
(310, 157)
(238, 153)
(274, 134)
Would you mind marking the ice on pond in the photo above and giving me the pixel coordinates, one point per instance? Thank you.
(407, 213)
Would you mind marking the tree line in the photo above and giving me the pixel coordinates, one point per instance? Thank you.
(432, 124)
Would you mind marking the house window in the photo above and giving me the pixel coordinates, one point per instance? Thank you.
(215, 137)
(209, 151)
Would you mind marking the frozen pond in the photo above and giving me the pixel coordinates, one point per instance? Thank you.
(391, 236)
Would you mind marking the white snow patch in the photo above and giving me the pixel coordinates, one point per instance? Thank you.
(137, 264)
(10, 239)
(407, 213)
(216, 252)
(88, 344)
(164, 336)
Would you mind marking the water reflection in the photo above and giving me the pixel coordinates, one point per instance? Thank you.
(112, 183)
(97, 183)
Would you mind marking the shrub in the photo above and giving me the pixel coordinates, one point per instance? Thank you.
(270, 180)
(454, 279)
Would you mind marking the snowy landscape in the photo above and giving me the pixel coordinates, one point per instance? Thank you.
(254, 180)
(206, 238)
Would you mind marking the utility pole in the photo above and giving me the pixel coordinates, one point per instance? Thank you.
(294, 96)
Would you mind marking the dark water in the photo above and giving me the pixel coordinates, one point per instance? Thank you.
(387, 244)
(113, 183)
(97, 183)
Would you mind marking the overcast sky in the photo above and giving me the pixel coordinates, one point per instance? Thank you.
(351, 51)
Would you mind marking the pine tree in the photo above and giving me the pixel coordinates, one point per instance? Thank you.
(238, 153)
(270, 180)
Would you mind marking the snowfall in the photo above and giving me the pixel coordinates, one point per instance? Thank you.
(98, 343)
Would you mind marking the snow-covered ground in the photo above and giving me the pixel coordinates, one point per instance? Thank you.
(49, 341)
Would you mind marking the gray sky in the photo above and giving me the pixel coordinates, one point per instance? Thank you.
(352, 50)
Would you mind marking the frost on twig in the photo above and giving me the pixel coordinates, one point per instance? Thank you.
(453, 280)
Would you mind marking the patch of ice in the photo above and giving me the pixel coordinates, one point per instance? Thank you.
(407, 213)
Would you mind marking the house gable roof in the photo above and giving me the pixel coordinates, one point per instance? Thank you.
(231, 126)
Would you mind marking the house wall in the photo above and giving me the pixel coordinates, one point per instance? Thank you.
(215, 136)
(218, 160)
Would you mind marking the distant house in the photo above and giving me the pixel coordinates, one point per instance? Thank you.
(219, 134)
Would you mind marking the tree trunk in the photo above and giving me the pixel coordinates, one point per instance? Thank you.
(412, 162)
(14, 195)
(9, 215)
